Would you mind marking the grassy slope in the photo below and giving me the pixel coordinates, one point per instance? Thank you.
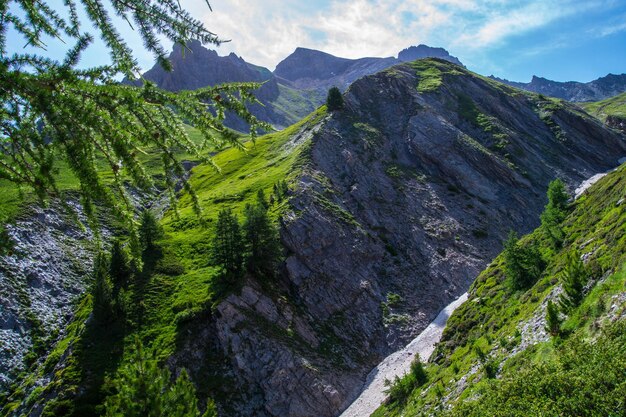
(13, 200)
(492, 320)
(614, 106)
(296, 104)
(178, 287)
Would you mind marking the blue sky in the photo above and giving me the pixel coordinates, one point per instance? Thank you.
(557, 39)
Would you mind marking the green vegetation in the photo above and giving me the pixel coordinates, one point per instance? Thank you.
(547, 108)
(522, 262)
(573, 279)
(431, 73)
(55, 114)
(178, 284)
(334, 100)
(227, 248)
(555, 212)
(577, 371)
(579, 378)
(614, 106)
(263, 250)
(400, 389)
(296, 104)
(144, 389)
(553, 319)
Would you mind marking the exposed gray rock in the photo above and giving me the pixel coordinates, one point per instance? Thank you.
(39, 282)
(424, 51)
(402, 195)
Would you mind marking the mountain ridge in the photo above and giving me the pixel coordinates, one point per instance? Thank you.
(599, 89)
(297, 86)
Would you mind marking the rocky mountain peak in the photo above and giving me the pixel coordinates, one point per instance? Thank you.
(424, 51)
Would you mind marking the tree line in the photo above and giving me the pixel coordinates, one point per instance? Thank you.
(524, 263)
(251, 246)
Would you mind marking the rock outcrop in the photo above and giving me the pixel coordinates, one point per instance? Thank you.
(424, 51)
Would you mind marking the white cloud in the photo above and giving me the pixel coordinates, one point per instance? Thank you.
(266, 32)
(611, 30)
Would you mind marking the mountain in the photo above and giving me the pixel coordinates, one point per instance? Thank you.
(599, 89)
(197, 67)
(297, 87)
(612, 111)
(423, 51)
(310, 69)
(387, 210)
(497, 356)
(307, 69)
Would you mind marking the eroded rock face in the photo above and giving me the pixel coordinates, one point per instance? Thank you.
(406, 198)
(39, 283)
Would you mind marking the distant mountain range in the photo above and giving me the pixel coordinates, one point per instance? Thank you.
(596, 90)
(297, 86)
(300, 82)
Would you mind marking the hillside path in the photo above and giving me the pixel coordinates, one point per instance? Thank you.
(398, 363)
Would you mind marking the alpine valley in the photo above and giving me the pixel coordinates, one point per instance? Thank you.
(386, 209)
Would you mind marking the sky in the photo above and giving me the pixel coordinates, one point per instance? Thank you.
(563, 40)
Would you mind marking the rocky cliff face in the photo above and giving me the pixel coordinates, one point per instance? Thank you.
(407, 195)
(595, 90)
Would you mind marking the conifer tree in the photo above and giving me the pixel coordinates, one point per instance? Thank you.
(555, 212)
(573, 280)
(553, 321)
(119, 268)
(260, 198)
(102, 291)
(334, 100)
(417, 370)
(261, 238)
(54, 112)
(149, 231)
(228, 247)
(145, 390)
(523, 264)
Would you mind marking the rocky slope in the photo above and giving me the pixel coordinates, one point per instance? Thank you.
(595, 90)
(396, 203)
(198, 67)
(497, 357)
(308, 69)
(40, 280)
(612, 111)
(406, 196)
